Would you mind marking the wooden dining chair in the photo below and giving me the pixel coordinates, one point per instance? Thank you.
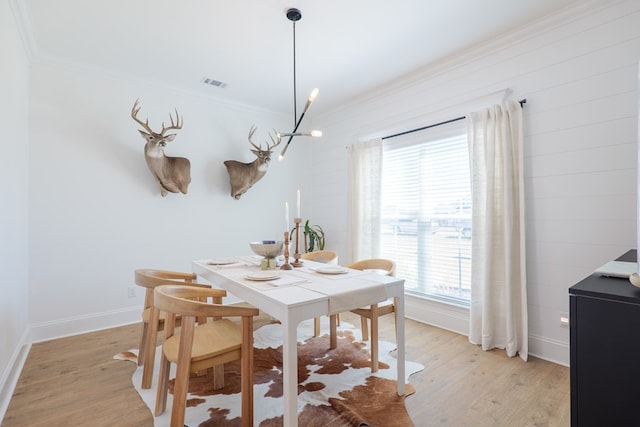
(374, 311)
(325, 257)
(152, 319)
(382, 266)
(201, 346)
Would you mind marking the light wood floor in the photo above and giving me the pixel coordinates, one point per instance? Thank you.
(75, 382)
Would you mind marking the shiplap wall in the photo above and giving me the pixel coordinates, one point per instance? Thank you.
(578, 70)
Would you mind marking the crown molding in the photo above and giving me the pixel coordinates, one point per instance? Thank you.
(411, 80)
(552, 21)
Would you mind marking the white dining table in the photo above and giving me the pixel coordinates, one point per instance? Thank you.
(300, 294)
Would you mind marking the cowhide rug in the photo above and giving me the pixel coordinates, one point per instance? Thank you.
(336, 387)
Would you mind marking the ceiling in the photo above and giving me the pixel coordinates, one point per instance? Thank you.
(344, 47)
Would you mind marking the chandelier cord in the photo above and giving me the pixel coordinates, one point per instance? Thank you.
(295, 97)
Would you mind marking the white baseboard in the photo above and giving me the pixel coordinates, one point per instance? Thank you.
(441, 315)
(548, 349)
(456, 319)
(10, 376)
(46, 331)
(82, 324)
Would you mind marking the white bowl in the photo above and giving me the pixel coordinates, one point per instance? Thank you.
(268, 248)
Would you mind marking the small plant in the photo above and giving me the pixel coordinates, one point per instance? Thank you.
(313, 237)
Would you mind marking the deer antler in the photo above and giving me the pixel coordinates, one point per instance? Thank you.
(251, 132)
(278, 137)
(177, 125)
(134, 115)
(269, 147)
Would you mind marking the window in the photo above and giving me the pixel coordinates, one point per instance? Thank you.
(426, 211)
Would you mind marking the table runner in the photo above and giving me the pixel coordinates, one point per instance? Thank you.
(349, 293)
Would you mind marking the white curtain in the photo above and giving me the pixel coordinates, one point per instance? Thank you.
(365, 170)
(498, 312)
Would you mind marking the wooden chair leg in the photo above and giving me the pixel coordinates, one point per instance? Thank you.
(365, 328)
(143, 341)
(183, 369)
(150, 349)
(218, 377)
(316, 326)
(163, 386)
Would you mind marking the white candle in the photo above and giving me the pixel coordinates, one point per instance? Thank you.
(298, 205)
(286, 215)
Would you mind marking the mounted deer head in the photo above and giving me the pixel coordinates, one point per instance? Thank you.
(173, 173)
(243, 175)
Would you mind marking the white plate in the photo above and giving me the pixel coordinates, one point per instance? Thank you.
(262, 276)
(222, 261)
(331, 270)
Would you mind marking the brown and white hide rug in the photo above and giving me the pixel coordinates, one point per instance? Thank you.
(335, 387)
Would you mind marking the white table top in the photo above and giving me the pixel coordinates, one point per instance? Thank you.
(331, 293)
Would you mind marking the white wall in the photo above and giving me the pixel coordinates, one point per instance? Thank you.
(579, 72)
(96, 213)
(14, 289)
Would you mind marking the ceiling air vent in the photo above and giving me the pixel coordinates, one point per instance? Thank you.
(213, 82)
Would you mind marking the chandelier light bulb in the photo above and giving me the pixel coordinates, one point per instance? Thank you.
(284, 151)
(316, 133)
(313, 95)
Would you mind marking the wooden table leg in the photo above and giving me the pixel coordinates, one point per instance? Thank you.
(290, 373)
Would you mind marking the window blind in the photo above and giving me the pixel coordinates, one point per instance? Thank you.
(426, 210)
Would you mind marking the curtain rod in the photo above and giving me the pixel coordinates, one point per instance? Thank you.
(522, 102)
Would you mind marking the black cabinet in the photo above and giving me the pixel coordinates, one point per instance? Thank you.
(605, 351)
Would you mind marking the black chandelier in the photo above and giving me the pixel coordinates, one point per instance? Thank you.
(294, 15)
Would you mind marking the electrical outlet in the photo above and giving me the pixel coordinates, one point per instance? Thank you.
(564, 320)
(132, 291)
